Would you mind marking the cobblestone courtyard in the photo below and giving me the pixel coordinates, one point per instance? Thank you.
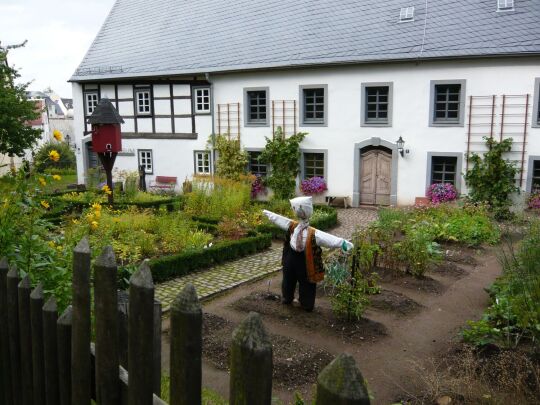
(220, 278)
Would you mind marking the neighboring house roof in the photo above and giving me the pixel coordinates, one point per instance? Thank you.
(68, 103)
(40, 105)
(167, 37)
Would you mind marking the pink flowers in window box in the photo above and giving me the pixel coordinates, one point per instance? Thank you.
(534, 199)
(441, 193)
(258, 187)
(314, 185)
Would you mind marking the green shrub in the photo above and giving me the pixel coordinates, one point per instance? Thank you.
(232, 160)
(167, 267)
(67, 157)
(514, 313)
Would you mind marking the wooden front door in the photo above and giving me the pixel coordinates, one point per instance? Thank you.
(375, 178)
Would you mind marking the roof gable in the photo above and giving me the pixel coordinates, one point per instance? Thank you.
(166, 37)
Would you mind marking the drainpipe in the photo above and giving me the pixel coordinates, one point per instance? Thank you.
(213, 136)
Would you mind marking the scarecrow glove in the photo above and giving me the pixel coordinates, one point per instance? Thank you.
(278, 220)
(326, 240)
(346, 246)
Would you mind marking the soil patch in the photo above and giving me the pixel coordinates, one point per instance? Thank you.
(321, 319)
(399, 278)
(449, 269)
(295, 363)
(458, 254)
(394, 302)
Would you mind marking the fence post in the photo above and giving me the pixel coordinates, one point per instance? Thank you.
(186, 348)
(141, 337)
(64, 355)
(5, 364)
(341, 382)
(123, 328)
(106, 312)
(25, 336)
(50, 317)
(157, 348)
(251, 363)
(81, 378)
(13, 326)
(38, 362)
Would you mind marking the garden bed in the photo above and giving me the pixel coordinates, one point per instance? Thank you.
(295, 363)
(322, 319)
(394, 302)
(425, 284)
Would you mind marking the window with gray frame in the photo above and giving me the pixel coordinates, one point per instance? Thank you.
(143, 101)
(536, 175)
(443, 169)
(447, 103)
(313, 165)
(145, 160)
(313, 105)
(376, 108)
(255, 166)
(257, 105)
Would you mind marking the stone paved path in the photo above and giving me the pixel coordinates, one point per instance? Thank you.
(223, 277)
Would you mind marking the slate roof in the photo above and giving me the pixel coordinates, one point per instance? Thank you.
(105, 113)
(167, 37)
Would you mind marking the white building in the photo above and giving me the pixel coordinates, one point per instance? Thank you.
(355, 75)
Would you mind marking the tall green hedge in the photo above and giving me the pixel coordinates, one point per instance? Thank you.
(168, 267)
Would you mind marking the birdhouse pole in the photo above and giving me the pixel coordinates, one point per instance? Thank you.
(106, 138)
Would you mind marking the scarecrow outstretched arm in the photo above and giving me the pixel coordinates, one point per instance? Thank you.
(330, 241)
(278, 220)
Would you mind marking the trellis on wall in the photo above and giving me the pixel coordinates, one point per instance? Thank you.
(284, 116)
(499, 117)
(228, 120)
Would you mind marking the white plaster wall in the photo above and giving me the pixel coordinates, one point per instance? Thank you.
(78, 129)
(411, 104)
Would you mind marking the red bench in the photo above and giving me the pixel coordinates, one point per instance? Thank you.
(165, 183)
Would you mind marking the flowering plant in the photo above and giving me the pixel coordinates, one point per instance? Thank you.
(257, 187)
(314, 185)
(441, 193)
(534, 199)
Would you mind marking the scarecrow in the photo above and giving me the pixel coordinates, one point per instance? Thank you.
(302, 254)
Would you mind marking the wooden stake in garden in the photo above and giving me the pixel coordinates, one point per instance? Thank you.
(106, 138)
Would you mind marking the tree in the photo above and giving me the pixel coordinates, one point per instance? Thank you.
(15, 112)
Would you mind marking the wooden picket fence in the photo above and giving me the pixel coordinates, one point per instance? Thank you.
(50, 359)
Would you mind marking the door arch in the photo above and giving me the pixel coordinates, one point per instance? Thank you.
(391, 154)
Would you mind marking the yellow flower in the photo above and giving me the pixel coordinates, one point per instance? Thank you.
(45, 204)
(97, 214)
(94, 225)
(42, 181)
(96, 206)
(57, 135)
(57, 177)
(59, 248)
(106, 189)
(54, 155)
(75, 221)
(51, 244)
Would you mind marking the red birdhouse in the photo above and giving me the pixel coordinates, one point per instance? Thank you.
(106, 131)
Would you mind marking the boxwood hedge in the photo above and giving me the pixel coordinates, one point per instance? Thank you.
(167, 267)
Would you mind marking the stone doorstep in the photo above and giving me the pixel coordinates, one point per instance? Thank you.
(166, 310)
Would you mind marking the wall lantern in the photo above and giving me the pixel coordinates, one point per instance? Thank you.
(106, 137)
(400, 146)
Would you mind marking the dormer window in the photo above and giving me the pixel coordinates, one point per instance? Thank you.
(406, 14)
(505, 5)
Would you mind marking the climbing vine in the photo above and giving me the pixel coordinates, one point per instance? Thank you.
(232, 160)
(283, 154)
(492, 178)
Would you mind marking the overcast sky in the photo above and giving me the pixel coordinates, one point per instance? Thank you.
(58, 32)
